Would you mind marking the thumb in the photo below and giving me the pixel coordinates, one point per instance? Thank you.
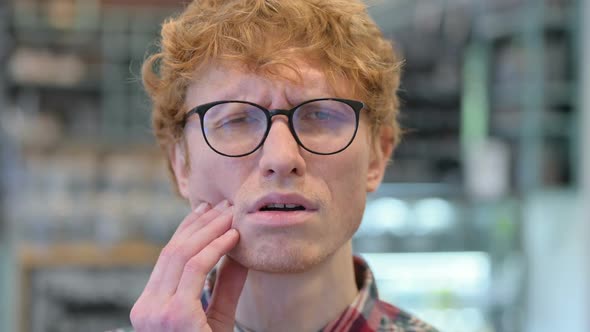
(221, 312)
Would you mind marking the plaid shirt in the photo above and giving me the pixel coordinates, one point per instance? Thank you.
(366, 313)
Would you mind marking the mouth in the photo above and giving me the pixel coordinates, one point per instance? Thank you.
(282, 207)
(277, 210)
(279, 202)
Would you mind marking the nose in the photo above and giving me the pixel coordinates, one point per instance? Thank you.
(281, 155)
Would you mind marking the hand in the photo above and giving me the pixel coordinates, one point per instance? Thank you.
(171, 300)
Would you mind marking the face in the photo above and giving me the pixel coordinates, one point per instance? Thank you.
(331, 188)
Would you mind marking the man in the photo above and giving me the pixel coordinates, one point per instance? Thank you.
(277, 117)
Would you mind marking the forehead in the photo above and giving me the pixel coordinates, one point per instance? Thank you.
(295, 84)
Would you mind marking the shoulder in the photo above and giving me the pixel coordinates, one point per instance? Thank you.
(392, 318)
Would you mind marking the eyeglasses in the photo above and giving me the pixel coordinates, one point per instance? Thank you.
(235, 128)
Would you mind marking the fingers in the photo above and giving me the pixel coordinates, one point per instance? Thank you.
(171, 300)
(177, 253)
(191, 217)
(197, 268)
(198, 218)
(231, 277)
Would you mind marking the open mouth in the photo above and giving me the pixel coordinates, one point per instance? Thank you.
(282, 207)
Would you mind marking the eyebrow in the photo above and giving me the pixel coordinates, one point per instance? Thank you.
(302, 95)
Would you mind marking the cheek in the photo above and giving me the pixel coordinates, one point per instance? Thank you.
(346, 178)
(353, 171)
(213, 177)
(353, 183)
(355, 160)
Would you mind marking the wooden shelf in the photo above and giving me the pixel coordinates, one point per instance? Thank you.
(87, 255)
(83, 255)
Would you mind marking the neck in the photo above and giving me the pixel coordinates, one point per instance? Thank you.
(299, 302)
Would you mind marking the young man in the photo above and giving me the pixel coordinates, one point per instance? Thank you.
(277, 117)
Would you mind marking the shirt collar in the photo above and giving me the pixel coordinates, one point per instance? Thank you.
(363, 304)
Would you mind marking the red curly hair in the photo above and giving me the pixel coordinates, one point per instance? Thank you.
(338, 36)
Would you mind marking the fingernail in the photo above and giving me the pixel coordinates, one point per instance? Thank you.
(201, 208)
(221, 205)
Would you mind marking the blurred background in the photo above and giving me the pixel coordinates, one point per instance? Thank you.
(482, 223)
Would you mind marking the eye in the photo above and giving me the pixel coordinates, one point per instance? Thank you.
(319, 115)
(237, 120)
(234, 116)
(322, 114)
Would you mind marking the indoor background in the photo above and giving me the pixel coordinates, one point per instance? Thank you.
(482, 224)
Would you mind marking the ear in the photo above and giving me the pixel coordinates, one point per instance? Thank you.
(177, 157)
(381, 151)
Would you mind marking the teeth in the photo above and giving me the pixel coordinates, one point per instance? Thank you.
(281, 206)
(276, 206)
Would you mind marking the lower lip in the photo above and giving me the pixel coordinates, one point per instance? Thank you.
(278, 218)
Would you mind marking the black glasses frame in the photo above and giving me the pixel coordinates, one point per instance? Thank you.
(356, 105)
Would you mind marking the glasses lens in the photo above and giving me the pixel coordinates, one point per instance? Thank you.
(325, 126)
(234, 128)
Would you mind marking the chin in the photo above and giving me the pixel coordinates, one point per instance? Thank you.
(269, 258)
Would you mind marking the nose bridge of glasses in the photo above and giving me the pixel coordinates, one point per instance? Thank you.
(274, 112)
(289, 126)
(286, 113)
